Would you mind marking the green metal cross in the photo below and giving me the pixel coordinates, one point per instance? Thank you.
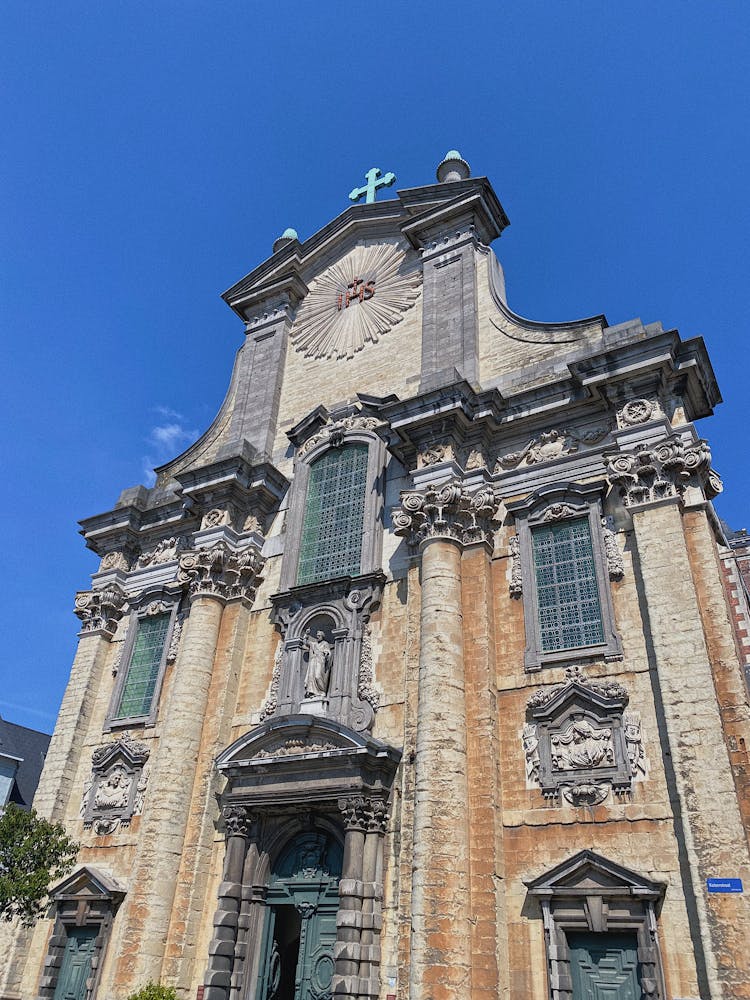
(374, 181)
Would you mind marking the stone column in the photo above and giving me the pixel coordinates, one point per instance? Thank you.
(221, 952)
(441, 521)
(349, 919)
(99, 611)
(652, 482)
(372, 901)
(213, 576)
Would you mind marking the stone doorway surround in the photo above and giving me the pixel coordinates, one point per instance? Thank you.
(86, 899)
(591, 893)
(291, 775)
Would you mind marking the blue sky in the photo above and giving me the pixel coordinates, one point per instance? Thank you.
(153, 151)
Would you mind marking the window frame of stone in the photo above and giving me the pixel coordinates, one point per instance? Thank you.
(558, 503)
(141, 609)
(374, 503)
(85, 899)
(588, 892)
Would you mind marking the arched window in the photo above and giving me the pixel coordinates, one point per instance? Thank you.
(332, 527)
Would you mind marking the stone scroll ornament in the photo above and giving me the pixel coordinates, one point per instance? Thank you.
(661, 471)
(116, 789)
(580, 743)
(355, 301)
(447, 511)
(100, 610)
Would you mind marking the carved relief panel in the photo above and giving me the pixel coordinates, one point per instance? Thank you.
(323, 664)
(580, 742)
(115, 791)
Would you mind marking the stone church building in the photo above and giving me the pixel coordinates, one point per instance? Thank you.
(421, 675)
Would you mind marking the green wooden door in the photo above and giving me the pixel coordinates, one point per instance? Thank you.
(76, 964)
(604, 966)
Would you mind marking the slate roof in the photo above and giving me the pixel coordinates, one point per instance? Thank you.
(31, 746)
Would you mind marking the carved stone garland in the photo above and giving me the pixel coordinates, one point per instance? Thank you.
(116, 788)
(447, 511)
(221, 572)
(660, 471)
(335, 430)
(581, 743)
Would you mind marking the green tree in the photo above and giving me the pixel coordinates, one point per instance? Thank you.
(154, 991)
(33, 853)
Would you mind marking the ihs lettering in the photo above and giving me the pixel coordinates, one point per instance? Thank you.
(357, 290)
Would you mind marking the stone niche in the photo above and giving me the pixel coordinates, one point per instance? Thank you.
(580, 743)
(116, 788)
(323, 662)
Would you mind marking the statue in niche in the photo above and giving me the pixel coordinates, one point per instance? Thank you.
(318, 671)
(113, 792)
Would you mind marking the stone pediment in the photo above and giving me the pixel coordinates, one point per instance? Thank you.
(587, 873)
(87, 883)
(605, 696)
(301, 738)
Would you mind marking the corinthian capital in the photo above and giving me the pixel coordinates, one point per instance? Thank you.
(447, 511)
(221, 572)
(660, 471)
(100, 610)
(238, 821)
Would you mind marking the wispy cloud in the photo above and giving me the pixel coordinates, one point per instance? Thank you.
(166, 440)
(15, 707)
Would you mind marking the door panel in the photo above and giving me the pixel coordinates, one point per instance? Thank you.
(604, 966)
(76, 964)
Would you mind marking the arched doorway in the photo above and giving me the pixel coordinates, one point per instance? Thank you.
(297, 951)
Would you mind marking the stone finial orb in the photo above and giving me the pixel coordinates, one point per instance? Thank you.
(286, 237)
(453, 168)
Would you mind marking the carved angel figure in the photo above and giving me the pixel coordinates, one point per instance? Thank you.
(113, 791)
(318, 671)
(582, 746)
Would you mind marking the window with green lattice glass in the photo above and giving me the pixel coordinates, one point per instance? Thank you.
(566, 585)
(143, 669)
(334, 511)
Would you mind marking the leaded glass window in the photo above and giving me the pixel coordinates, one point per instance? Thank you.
(334, 514)
(567, 592)
(143, 669)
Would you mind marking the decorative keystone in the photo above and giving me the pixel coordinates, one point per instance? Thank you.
(660, 471)
(100, 610)
(221, 572)
(448, 511)
(453, 168)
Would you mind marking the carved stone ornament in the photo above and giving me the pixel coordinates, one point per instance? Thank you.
(580, 743)
(334, 432)
(635, 411)
(475, 460)
(114, 560)
(615, 565)
(366, 686)
(174, 639)
(164, 551)
(271, 703)
(516, 576)
(215, 517)
(660, 471)
(238, 821)
(116, 788)
(447, 511)
(221, 572)
(293, 748)
(550, 445)
(355, 301)
(364, 813)
(433, 453)
(100, 610)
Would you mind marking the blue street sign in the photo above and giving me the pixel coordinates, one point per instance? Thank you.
(724, 884)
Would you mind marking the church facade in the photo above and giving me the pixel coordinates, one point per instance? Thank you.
(421, 674)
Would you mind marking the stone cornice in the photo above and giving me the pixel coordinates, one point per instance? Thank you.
(448, 511)
(661, 471)
(221, 572)
(100, 610)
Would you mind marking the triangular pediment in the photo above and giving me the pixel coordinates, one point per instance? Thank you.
(297, 738)
(587, 873)
(583, 696)
(88, 882)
